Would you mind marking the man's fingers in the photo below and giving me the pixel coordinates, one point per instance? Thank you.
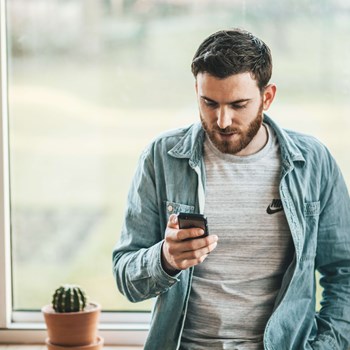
(181, 234)
(198, 243)
(172, 222)
(184, 248)
(193, 258)
(187, 258)
(190, 233)
(197, 253)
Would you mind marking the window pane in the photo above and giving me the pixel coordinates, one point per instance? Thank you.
(91, 82)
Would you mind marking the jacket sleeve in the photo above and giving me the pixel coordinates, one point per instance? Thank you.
(333, 263)
(137, 264)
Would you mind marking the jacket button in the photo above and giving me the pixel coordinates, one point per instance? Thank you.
(170, 208)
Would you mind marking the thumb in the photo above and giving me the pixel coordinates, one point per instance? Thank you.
(173, 223)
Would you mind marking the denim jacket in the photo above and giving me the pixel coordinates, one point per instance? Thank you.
(171, 178)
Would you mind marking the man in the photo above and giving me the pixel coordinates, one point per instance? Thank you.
(277, 208)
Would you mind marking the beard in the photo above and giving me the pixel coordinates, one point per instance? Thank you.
(242, 138)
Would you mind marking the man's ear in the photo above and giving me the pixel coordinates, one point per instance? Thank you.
(269, 95)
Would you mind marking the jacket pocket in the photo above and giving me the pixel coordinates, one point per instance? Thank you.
(176, 208)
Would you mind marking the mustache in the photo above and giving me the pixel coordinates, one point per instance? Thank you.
(227, 130)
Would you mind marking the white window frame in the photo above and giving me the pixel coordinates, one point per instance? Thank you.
(117, 328)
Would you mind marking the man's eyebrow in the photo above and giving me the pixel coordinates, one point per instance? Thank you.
(232, 102)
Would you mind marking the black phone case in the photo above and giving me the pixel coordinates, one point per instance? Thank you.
(188, 220)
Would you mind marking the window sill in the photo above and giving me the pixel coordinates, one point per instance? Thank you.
(42, 347)
(129, 335)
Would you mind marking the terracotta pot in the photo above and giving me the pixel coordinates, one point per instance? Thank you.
(72, 328)
(96, 345)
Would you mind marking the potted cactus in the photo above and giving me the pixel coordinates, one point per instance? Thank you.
(71, 320)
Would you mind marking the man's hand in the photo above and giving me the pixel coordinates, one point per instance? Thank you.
(180, 251)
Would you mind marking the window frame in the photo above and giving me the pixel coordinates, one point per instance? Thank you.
(117, 328)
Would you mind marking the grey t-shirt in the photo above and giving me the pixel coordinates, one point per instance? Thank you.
(234, 289)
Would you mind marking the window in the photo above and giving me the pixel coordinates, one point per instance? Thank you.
(89, 83)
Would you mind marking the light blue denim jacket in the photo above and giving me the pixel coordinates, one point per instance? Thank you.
(171, 178)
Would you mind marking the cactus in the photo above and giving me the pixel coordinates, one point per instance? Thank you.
(69, 298)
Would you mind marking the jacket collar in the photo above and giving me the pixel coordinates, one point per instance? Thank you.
(191, 145)
(290, 152)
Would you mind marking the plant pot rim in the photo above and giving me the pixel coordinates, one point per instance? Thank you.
(99, 341)
(90, 307)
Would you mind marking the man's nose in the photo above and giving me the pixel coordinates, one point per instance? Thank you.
(224, 118)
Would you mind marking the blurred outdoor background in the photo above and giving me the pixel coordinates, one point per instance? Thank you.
(91, 82)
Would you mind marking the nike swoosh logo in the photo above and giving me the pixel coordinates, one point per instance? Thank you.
(270, 210)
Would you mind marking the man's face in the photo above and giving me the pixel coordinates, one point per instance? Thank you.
(231, 111)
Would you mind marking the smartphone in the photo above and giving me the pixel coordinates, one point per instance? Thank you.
(188, 220)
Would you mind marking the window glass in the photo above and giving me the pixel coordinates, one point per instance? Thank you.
(92, 82)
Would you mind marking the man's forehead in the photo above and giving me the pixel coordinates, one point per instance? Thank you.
(240, 78)
(234, 87)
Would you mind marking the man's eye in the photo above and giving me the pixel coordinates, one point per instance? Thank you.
(210, 104)
(238, 106)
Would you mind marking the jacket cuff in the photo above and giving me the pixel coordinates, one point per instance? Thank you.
(162, 278)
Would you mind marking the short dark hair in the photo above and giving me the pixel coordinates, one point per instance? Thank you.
(229, 52)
